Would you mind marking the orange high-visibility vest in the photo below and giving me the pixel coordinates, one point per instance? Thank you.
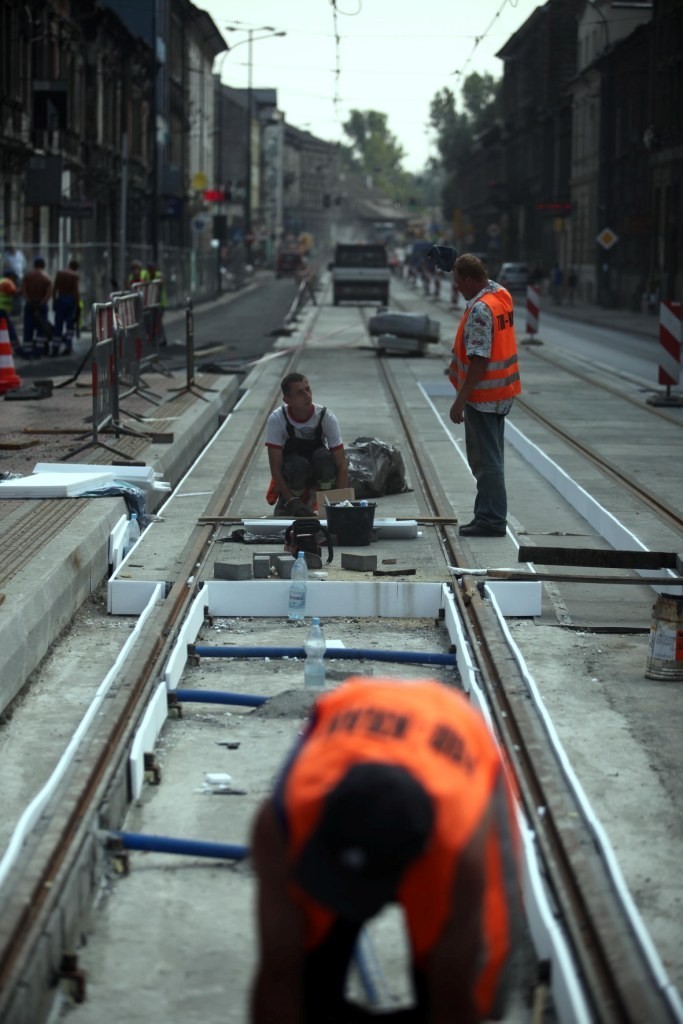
(434, 733)
(501, 379)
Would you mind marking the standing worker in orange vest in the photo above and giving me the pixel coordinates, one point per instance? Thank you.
(485, 373)
(8, 293)
(396, 792)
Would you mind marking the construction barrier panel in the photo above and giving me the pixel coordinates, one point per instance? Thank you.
(670, 338)
(152, 332)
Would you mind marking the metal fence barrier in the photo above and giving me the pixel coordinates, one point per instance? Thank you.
(190, 385)
(104, 378)
(153, 330)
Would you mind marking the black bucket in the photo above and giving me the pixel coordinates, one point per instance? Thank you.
(351, 524)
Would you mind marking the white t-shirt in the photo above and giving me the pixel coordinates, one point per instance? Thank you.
(276, 428)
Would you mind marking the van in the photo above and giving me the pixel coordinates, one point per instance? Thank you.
(513, 275)
(360, 273)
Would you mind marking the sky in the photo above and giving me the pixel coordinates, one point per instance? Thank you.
(392, 56)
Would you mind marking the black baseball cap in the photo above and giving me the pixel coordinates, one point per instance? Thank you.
(442, 257)
(374, 823)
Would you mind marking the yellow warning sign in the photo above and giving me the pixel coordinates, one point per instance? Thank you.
(607, 238)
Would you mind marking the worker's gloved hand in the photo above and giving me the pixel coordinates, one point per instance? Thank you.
(296, 507)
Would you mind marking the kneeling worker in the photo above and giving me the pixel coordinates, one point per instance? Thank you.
(396, 792)
(305, 449)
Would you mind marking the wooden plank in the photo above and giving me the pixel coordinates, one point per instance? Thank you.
(9, 446)
(609, 559)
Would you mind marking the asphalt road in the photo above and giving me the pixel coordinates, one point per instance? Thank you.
(236, 328)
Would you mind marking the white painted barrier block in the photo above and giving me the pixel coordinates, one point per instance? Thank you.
(326, 598)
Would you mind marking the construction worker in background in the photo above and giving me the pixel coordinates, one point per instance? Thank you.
(137, 273)
(305, 450)
(37, 291)
(8, 292)
(395, 793)
(65, 303)
(154, 274)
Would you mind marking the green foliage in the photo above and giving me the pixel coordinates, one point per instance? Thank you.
(456, 131)
(374, 152)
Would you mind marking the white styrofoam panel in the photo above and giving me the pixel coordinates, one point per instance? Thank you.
(130, 597)
(466, 666)
(136, 474)
(187, 635)
(145, 738)
(404, 529)
(326, 598)
(54, 485)
(117, 538)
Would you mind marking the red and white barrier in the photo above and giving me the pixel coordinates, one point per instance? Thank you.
(533, 308)
(670, 339)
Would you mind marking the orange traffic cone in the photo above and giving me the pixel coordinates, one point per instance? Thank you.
(9, 379)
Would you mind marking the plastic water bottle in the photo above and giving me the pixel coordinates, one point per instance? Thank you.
(315, 647)
(297, 589)
(132, 533)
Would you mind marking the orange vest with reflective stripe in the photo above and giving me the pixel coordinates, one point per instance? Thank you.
(435, 734)
(501, 379)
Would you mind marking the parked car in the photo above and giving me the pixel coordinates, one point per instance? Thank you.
(513, 275)
(288, 264)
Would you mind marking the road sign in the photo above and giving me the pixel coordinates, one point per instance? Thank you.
(607, 238)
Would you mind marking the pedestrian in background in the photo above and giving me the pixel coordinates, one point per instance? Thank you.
(395, 793)
(154, 274)
(37, 291)
(556, 279)
(8, 294)
(485, 373)
(65, 304)
(571, 286)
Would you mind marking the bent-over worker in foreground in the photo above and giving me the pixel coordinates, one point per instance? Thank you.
(396, 792)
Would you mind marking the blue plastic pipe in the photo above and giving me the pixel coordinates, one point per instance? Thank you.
(247, 700)
(191, 847)
(334, 653)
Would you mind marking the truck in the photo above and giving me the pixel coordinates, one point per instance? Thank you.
(360, 271)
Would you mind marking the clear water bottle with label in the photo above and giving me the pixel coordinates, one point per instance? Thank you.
(315, 647)
(132, 533)
(296, 609)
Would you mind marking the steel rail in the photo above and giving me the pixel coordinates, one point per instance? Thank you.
(672, 515)
(603, 385)
(617, 976)
(64, 850)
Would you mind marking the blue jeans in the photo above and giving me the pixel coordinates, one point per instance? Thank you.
(484, 445)
(65, 310)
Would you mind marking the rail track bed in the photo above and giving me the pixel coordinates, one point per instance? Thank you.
(559, 668)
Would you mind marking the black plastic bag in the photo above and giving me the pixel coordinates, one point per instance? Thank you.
(375, 468)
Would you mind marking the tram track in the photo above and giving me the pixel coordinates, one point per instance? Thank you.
(619, 981)
(603, 942)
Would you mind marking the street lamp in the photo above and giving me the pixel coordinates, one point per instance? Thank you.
(271, 33)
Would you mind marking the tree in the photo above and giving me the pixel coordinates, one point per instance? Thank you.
(456, 131)
(374, 152)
